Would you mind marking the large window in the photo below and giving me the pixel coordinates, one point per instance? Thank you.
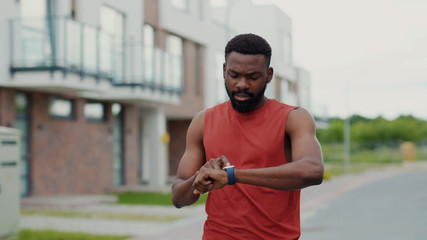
(149, 43)
(112, 21)
(36, 34)
(174, 66)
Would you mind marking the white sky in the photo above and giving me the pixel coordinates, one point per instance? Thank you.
(376, 50)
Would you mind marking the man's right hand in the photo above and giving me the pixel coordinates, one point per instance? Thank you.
(211, 175)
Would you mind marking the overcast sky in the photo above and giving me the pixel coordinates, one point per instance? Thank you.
(365, 57)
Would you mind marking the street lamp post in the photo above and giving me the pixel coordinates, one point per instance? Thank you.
(347, 132)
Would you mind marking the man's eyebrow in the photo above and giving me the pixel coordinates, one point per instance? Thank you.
(253, 73)
(247, 74)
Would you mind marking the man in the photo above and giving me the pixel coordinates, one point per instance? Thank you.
(261, 153)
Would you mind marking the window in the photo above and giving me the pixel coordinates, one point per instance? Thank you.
(61, 108)
(180, 4)
(221, 93)
(94, 111)
(287, 48)
(149, 39)
(287, 93)
(113, 21)
(174, 65)
(36, 48)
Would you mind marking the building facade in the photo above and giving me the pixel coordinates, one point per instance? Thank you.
(103, 91)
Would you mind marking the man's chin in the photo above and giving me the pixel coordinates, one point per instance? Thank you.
(242, 106)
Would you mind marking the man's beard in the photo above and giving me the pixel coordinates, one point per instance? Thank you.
(245, 106)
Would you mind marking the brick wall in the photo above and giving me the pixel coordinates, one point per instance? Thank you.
(68, 156)
(131, 145)
(7, 110)
(73, 156)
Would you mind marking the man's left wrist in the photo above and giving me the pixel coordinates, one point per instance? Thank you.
(231, 174)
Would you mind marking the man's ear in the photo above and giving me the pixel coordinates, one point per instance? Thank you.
(270, 72)
(223, 70)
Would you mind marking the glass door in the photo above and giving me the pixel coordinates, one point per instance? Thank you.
(117, 144)
(22, 122)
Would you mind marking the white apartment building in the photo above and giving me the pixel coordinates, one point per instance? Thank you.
(104, 90)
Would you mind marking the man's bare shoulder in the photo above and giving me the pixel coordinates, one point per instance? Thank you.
(195, 130)
(299, 118)
(200, 114)
(199, 118)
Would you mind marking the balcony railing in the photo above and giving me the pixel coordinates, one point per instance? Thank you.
(62, 44)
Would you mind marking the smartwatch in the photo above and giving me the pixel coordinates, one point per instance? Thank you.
(230, 173)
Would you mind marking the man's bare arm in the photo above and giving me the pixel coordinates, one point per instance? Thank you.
(191, 161)
(305, 169)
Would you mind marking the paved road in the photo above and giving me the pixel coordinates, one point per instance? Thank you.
(391, 208)
(382, 204)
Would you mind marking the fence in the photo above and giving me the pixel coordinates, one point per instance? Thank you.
(61, 43)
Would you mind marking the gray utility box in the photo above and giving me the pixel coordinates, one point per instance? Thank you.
(9, 182)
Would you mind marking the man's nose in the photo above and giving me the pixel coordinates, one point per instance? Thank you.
(242, 83)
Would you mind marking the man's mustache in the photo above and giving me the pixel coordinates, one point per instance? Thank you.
(242, 91)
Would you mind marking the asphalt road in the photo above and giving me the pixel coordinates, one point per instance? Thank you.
(391, 208)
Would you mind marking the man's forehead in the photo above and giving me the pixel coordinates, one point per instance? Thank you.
(245, 57)
(254, 60)
(234, 53)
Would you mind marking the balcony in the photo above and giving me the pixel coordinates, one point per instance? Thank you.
(59, 54)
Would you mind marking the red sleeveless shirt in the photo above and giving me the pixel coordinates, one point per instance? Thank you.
(249, 140)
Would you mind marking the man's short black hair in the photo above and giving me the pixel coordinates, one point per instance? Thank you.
(249, 44)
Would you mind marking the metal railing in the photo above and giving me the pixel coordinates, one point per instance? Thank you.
(63, 44)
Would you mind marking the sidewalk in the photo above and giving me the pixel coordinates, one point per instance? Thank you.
(102, 204)
(190, 224)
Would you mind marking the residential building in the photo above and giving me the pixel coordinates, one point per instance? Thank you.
(86, 93)
(103, 91)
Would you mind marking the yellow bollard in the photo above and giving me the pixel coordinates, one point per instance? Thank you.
(408, 151)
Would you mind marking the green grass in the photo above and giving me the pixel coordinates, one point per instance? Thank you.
(338, 169)
(26, 234)
(100, 215)
(360, 159)
(334, 153)
(151, 198)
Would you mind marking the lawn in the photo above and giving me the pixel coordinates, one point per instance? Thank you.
(360, 159)
(27, 234)
(100, 215)
(151, 198)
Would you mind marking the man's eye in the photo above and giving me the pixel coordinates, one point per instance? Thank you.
(234, 75)
(254, 77)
